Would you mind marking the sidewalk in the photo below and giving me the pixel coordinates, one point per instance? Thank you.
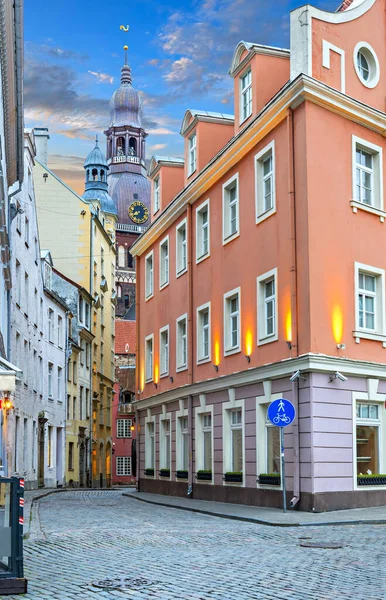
(267, 516)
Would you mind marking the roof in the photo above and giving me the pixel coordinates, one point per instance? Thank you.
(254, 49)
(96, 157)
(125, 337)
(349, 4)
(204, 115)
(79, 287)
(157, 160)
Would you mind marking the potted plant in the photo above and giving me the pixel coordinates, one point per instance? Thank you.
(182, 474)
(149, 472)
(164, 473)
(371, 479)
(204, 475)
(269, 479)
(233, 476)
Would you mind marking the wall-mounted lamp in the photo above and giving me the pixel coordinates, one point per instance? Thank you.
(248, 358)
(83, 212)
(156, 385)
(139, 392)
(171, 379)
(6, 403)
(215, 368)
(341, 346)
(45, 176)
(289, 344)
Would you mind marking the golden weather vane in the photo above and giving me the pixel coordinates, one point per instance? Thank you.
(123, 28)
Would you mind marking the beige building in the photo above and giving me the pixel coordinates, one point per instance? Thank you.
(82, 245)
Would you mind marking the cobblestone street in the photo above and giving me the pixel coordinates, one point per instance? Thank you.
(78, 538)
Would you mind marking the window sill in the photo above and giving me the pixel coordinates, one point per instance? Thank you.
(148, 380)
(230, 238)
(155, 212)
(245, 120)
(163, 375)
(267, 340)
(203, 361)
(232, 351)
(355, 205)
(192, 173)
(182, 272)
(368, 335)
(164, 285)
(182, 368)
(202, 257)
(149, 297)
(263, 216)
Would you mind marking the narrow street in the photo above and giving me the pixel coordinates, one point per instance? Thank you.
(150, 552)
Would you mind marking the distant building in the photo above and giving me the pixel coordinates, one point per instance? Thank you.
(263, 276)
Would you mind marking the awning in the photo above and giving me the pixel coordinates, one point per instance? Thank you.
(8, 375)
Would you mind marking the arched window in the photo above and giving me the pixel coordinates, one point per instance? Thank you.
(126, 300)
(94, 174)
(121, 256)
(121, 146)
(110, 147)
(88, 174)
(129, 259)
(119, 290)
(133, 146)
(102, 175)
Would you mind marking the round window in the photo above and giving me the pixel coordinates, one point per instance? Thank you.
(366, 64)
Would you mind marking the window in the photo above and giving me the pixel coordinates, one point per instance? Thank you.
(273, 448)
(236, 441)
(149, 275)
(183, 457)
(74, 372)
(26, 363)
(71, 456)
(265, 182)
(368, 425)
(50, 382)
(156, 195)
(202, 231)
(60, 331)
(26, 293)
(192, 154)
(230, 202)
(26, 231)
(245, 96)
(36, 304)
(123, 466)
(181, 255)
(121, 256)
(124, 428)
(232, 321)
(50, 325)
(164, 351)
(182, 344)
(81, 402)
(267, 330)
(206, 421)
(164, 263)
(88, 355)
(203, 333)
(165, 444)
(363, 66)
(87, 313)
(50, 447)
(367, 174)
(68, 406)
(149, 358)
(150, 445)
(81, 309)
(369, 300)
(366, 65)
(18, 283)
(60, 384)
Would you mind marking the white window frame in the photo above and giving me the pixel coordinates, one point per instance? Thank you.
(50, 383)
(200, 254)
(149, 358)
(50, 320)
(379, 332)
(123, 466)
(180, 414)
(181, 268)
(200, 411)
(260, 157)
(192, 154)
(156, 194)
(149, 276)
(164, 263)
(152, 464)
(180, 366)
(201, 358)
(227, 409)
(262, 403)
(377, 205)
(125, 425)
(164, 348)
(372, 61)
(262, 337)
(228, 349)
(244, 90)
(226, 209)
(163, 442)
(60, 384)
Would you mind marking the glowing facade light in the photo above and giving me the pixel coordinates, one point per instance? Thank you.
(288, 326)
(337, 323)
(216, 353)
(248, 342)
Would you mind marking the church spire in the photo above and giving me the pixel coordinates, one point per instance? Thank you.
(126, 71)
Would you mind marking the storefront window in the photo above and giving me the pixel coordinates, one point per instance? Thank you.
(237, 441)
(273, 449)
(367, 438)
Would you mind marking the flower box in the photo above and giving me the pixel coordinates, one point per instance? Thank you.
(181, 474)
(149, 472)
(233, 477)
(164, 473)
(269, 479)
(371, 479)
(204, 475)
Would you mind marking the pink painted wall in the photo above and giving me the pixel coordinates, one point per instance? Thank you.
(171, 181)
(210, 138)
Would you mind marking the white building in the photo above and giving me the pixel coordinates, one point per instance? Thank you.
(11, 177)
(36, 425)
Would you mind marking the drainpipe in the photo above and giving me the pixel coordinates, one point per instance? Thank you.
(19, 86)
(294, 303)
(190, 341)
(137, 362)
(91, 349)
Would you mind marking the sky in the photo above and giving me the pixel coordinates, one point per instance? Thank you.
(179, 56)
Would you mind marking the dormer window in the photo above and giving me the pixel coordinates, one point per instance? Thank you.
(245, 96)
(47, 275)
(192, 154)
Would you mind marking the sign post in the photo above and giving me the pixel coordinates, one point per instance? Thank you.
(281, 413)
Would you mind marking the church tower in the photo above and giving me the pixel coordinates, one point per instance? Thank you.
(127, 182)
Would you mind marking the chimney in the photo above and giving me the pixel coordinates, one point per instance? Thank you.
(41, 142)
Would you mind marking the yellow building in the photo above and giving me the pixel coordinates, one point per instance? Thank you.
(80, 232)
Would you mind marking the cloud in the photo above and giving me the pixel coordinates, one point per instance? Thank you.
(156, 147)
(53, 51)
(154, 62)
(102, 77)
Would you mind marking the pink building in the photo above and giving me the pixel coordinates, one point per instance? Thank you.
(262, 275)
(123, 424)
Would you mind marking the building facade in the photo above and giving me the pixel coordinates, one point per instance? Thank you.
(83, 249)
(263, 277)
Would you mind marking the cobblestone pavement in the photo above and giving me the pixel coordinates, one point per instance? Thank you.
(81, 537)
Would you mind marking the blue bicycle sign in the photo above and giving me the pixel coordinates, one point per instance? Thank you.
(281, 412)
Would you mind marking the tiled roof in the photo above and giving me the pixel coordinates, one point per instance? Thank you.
(125, 337)
(345, 4)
